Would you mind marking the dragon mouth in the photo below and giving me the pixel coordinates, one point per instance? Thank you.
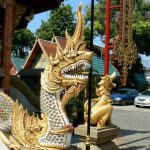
(78, 70)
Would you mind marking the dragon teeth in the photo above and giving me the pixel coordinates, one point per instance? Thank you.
(76, 76)
(74, 66)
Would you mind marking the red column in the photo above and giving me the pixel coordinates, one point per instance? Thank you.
(8, 32)
(107, 34)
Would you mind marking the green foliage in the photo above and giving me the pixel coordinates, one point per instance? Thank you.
(99, 19)
(141, 26)
(136, 68)
(59, 20)
(75, 109)
(141, 32)
(23, 41)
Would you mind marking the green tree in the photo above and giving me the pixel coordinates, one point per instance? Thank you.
(58, 21)
(141, 26)
(99, 18)
(141, 34)
(23, 42)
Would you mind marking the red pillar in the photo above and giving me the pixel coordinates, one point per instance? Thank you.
(8, 32)
(107, 34)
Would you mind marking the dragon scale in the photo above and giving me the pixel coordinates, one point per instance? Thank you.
(51, 106)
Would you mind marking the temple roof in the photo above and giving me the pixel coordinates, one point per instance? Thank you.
(18, 62)
(98, 66)
(49, 48)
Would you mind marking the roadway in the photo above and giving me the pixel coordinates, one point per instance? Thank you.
(134, 126)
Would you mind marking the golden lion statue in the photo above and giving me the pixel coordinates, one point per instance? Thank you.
(101, 108)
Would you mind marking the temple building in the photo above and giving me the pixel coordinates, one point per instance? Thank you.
(16, 14)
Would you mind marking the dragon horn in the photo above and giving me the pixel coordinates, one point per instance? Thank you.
(51, 58)
(78, 34)
(68, 42)
(67, 34)
(59, 48)
(58, 51)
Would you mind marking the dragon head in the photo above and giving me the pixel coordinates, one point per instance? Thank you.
(69, 67)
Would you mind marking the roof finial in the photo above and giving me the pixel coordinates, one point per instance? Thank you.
(53, 38)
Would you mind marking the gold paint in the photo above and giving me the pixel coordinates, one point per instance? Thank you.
(88, 140)
(26, 129)
(101, 108)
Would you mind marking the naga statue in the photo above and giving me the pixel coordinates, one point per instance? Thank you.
(101, 108)
(67, 71)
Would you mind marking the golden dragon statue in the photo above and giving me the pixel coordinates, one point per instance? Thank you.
(67, 71)
(101, 108)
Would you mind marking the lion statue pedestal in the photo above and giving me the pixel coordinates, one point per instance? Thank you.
(98, 136)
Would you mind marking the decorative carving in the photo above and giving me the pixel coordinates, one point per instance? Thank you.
(20, 10)
(4, 3)
(67, 70)
(125, 50)
(101, 107)
(11, 2)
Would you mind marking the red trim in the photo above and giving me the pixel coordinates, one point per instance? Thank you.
(111, 46)
(114, 7)
(107, 30)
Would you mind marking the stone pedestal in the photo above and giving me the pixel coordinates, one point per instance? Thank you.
(101, 139)
(98, 136)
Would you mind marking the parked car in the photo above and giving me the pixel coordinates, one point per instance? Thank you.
(143, 99)
(124, 96)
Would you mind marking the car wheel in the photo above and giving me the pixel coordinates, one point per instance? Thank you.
(137, 106)
(123, 103)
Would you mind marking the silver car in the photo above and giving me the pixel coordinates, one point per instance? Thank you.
(143, 99)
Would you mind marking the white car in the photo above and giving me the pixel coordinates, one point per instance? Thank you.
(143, 99)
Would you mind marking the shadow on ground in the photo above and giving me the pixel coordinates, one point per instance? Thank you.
(106, 146)
(135, 148)
(124, 132)
(127, 142)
